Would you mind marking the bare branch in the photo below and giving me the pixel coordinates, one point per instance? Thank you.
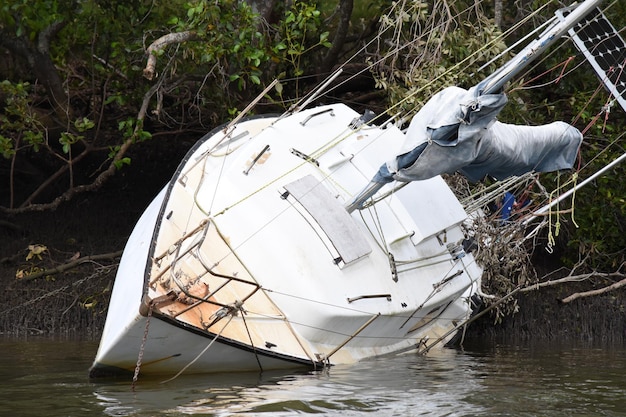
(592, 293)
(571, 278)
(156, 46)
(72, 264)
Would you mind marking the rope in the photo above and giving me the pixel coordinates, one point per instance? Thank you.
(563, 65)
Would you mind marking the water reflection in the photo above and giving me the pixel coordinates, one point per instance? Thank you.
(49, 378)
(407, 385)
(553, 381)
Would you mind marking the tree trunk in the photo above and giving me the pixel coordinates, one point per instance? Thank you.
(345, 14)
(264, 8)
(39, 60)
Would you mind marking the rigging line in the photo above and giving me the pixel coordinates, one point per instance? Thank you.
(582, 62)
(541, 210)
(393, 266)
(413, 268)
(436, 289)
(331, 144)
(597, 116)
(335, 332)
(362, 50)
(331, 76)
(424, 258)
(340, 137)
(258, 190)
(200, 354)
(610, 99)
(382, 196)
(227, 131)
(459, 66)
(471, 319)
(563, 75)
(466, 61)
(373, 212)
(590, 178)
(310, 300)
(599, 154)
(493, 191)
(256, 354)
(271, 220)
(313, 94)
(519, 42)
(536, 64)
(563, 65)
(543, 59)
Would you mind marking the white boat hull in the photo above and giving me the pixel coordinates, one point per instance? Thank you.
(259, 254)
(247, 260)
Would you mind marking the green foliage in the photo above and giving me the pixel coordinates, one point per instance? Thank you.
(427, 50)
(68, 139)
(230, 40)
(24, 18)
(300, 33)
(100, 55)
(21, 128)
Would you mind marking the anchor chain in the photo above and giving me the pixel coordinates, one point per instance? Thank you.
(143, 346)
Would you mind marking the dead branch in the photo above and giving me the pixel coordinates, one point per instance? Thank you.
(570, 278)
(72, 264)
(156, 46)
(592, 293)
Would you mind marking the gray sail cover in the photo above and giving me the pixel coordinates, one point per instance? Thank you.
(456, 130)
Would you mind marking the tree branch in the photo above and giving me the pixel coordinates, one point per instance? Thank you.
(156, 46)
(46, 35)
(591, 293)
(72, 264)
(570, 278)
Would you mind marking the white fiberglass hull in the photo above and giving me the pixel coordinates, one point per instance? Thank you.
(249, 261)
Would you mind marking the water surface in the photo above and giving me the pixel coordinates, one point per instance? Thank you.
(43, 377)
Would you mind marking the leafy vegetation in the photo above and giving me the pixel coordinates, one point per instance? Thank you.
(86, 103)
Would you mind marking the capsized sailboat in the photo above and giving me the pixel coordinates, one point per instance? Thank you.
(283, 242)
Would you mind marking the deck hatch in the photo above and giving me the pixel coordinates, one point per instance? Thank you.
(332, 217)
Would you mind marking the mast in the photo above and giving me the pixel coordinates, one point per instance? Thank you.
(496, 81)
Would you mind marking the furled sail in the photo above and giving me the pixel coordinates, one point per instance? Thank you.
(457, 130)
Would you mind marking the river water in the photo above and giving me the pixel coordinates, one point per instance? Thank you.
(43, 377)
